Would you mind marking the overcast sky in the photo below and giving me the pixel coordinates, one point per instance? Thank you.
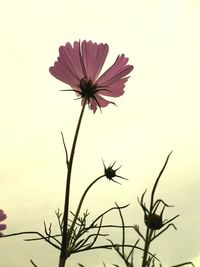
(159, 112)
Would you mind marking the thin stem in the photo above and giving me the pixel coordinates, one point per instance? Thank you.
(79, 207)
(63, 255)
(149, 232)
(105, 212)
(182, 264)
(66, 153)
(33, 232)
(157, 180)
(33, 263)
(123, 229)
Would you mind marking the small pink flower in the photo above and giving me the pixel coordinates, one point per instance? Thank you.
(2, 218)
(80, 65)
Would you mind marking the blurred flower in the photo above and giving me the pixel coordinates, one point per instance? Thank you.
(80, 64)
(2, 218)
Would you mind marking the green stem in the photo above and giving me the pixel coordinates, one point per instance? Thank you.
(63, 254)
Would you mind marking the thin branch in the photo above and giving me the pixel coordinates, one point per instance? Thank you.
(112, 226)
(33, 263)
(84, 244)
(121, 254)
(58, 215)
(157, 180)
(132, 250)
(105, 212)
(41, 238)
(161, 232)
(123, 229)
(182, 264)
(66, 153)
(136, 228)
(32, 232)
(127, 246)
(98, 233)
(158, 201)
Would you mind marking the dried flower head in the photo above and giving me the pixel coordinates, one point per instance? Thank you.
(79, 66)
(151, 218)
(110, 173)
(154, 221)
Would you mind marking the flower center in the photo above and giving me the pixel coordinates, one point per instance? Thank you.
(154, 221)
(88, 89)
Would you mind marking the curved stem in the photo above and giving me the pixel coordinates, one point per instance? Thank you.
(67, 192)
(149, 232)
(157, 180)
(80, 205)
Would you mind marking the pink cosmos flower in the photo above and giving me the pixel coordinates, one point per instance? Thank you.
(79, 66)
(2, 218)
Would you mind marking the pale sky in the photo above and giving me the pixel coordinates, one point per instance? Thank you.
(159, 112)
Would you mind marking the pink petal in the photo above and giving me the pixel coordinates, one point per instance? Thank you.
(2, 227)
(116, 89)
(2, 215)
(69, 67)
(94, 56)
(117, 71)
(85, 60)
(101, 102)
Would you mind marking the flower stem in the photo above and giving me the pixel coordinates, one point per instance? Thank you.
(80, 205)
(63, 254)
(149, 233)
